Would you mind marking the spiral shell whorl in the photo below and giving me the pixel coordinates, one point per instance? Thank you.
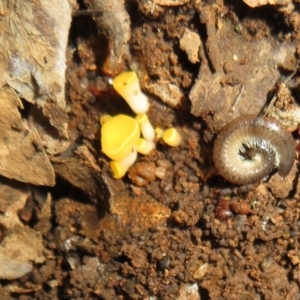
(249, 148)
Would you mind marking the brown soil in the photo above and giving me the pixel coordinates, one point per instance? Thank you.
(172, 228)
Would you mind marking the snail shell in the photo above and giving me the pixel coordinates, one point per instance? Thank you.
(250, 148)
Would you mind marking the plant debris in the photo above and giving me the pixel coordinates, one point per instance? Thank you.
(34, 38)
(23, 157)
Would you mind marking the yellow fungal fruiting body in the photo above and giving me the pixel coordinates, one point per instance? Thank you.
(144, 146)
(146, 127)
(119, 136)
(127, 85)
(159, 132)
(119, 168)
(171, 137)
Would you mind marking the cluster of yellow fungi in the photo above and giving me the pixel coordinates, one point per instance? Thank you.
(122, 136)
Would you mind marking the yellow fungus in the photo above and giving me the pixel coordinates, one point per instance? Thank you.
(146, 127)
(172, 137)
(127, 85)
(159, 132)
(119, 136)
(119, 168)
(145, 147)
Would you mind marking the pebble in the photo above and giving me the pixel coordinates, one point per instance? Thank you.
(142, 173)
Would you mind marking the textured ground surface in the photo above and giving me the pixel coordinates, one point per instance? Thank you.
(172, 228)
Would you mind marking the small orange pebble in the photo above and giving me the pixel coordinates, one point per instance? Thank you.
(142, 173)
(160, 172)
(91, 67)
(223, 211)
(112, 66)
(241, 208)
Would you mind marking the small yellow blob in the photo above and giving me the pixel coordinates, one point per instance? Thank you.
(159, 132)
(127, 85)
(144, 146)
(119, 136)
(172, 137)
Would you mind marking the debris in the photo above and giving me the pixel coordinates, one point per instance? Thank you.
(82, 171)
(170, 2)
(168, 92)
(148, 213)
(32, 61)
(23, 157)
(282, 188)
(13, 197)
(189, 291)
(257, 3)
(201, 271)
(216, 91)
(21, 246)
(12, 268)
(190, 43)
(113, 20)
